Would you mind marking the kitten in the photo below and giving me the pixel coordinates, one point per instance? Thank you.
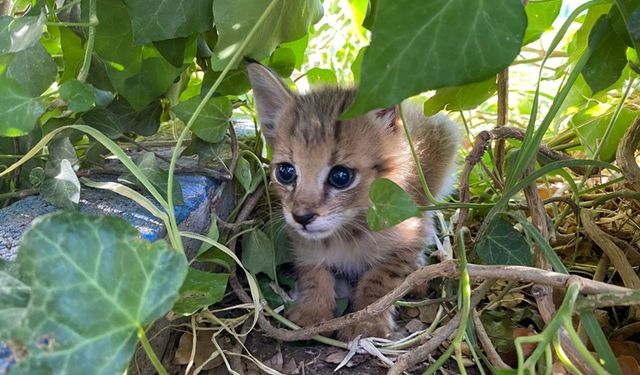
(322, 167)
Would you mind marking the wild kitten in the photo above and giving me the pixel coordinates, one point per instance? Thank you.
(322, 167)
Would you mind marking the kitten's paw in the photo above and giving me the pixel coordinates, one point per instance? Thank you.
(379, 326)
(305, 316)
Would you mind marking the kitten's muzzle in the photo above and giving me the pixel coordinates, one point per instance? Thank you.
(304, 219)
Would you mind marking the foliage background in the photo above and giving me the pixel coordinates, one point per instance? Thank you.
(80, 79)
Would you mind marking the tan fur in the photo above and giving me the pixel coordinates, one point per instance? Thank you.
(305, 131)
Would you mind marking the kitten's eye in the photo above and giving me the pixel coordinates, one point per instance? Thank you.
(341, 177)
(286, 173)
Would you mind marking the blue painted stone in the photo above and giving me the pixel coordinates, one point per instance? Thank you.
(18, 216)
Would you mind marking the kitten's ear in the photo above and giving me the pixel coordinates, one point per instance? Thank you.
(271, 96)
(387, 117)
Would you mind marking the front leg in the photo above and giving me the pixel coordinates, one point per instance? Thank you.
(316, 296)
(374, 284)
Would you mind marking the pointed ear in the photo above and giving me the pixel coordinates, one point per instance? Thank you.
(271, 96)
(386, 117)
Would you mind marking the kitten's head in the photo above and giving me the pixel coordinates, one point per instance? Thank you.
(322, 166)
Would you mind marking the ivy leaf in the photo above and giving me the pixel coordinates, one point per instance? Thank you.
(390, 205)
(143, 122)
(540, 17)
(105, 121)
(20, 33)
(59, 150)
(139, 73)
(63, 189)
(72, 53)
(81, 96)
(243, 173)
(33, 68)
(236, 82)
(258, 254)
(608, 56)
(178, 51)
(418, 46)
(158, 177)
(503, 245)
(288, 21)
(200, 289)
(317, 76)
(19, 111)
(36, 176)
(282, 61)
(168, 21)
(591, 124)
(211, 125)
(95, 284)
(14, 299)
(298, 47)
(460, 98)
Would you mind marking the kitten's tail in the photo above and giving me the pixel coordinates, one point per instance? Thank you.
(437, 140)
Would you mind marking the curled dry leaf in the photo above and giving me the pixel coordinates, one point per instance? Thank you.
(628, 365)
(204, 349)
(276, 362)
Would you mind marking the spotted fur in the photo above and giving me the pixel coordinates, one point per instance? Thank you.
(306, 131)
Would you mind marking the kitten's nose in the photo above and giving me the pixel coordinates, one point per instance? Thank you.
(305, 218)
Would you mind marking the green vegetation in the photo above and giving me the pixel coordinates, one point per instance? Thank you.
(549, 104)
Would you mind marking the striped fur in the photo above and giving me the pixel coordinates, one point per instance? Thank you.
(305, 130)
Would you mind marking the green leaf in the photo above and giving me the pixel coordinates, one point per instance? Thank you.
(591, 123)
(139, 73)
(20, 33)
(316, 76)
(105, 121)
(390, 205)
(14, 299)
(157, 176)
(282, 61)
(418, 46)
(356, 67)
(142, 86)
(460, 98)
(143, 122)
(275, 230)
(258, 254)
(288, 21)
(177, 51)
(33, 68)
(63, 189)
(503, 245)
(200, 289)
(243, 173)
(81, 96)
(236, 82)
(19, 112)
(167, 20)
(95, 284)
(211, 125)
(298, 47)
(72, 53)
(59, 150)
(36, 176)
(608, 57)
(540, 17)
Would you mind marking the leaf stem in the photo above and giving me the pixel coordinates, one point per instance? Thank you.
(465, 301)
(150, 353)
